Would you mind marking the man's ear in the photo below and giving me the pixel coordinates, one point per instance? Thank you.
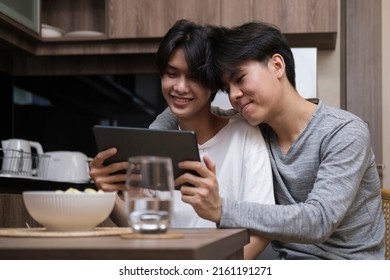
(278, 64)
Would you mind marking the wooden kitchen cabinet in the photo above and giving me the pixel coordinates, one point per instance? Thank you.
(298, 16)
(136, 26)
(306, 23)
(291, 16)
(152, 19)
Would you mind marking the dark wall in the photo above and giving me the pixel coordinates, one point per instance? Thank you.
(69, 107)
(6, 106)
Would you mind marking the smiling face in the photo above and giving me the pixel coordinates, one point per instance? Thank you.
(254, 89)
(185, 96)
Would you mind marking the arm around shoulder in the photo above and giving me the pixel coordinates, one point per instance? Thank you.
(165, 120)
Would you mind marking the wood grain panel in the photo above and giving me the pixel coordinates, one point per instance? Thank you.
(298, 16)
(134, 18)
(200, 11)
(11, 36)
(234, 13)
(75, 15)
(13, 213)
(85, 65)
(149, 18)
(363, 66)
(101, 46)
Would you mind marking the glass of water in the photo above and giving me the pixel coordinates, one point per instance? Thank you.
(149, 193)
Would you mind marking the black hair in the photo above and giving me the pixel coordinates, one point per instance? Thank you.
(252, 41)
(195, 41)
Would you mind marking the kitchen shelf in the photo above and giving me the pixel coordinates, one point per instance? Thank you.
(74, 16)
(75, 39)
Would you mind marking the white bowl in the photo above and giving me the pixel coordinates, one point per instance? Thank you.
(61, 211)
(48, 31)
(84, 33)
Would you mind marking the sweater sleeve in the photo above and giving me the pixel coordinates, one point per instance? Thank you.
(165, 120)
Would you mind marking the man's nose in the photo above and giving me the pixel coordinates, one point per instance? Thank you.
(182, 85)
(234, 93)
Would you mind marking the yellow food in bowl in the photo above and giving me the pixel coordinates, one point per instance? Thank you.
(73, 190)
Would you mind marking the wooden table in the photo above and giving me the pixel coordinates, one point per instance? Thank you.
(198, 244)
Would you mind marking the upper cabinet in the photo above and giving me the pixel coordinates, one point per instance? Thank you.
(152, 19)
(127, 23)
(298, 16)
(311, 23)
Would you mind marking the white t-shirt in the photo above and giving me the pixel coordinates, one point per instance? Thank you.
(243, 170)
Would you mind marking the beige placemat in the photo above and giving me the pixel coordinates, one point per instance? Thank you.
(43, 232)
(167, 235)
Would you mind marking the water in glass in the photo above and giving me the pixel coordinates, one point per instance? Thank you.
(149, 194)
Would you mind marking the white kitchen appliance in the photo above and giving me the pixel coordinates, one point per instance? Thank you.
(68, 166)
(21, 157)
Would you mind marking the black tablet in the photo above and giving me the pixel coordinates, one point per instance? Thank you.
(179, 145)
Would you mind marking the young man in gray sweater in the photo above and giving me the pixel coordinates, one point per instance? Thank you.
(326, 185)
